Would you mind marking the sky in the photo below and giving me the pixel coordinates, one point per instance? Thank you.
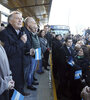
(74, 13)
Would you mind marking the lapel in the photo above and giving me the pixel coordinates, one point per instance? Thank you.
(12, 32)
(28, 34)
(67, 51)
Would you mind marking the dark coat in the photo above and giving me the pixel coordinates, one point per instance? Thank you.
(56, 45)
(49, 38)
(66, 73)
(65, 70)
(84, 63)
(14, 47)
(65, 54)
(27, 47)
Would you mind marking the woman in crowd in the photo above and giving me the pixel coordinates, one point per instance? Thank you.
(44, 47)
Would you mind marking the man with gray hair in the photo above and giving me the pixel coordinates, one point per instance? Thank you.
(14, 41)
(31, 30)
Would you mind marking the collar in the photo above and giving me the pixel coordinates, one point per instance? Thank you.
(33, 33)
(68, 47)
(17, 31)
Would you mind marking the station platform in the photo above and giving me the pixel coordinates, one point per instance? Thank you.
(44, 89)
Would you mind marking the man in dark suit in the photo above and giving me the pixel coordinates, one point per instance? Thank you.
(65, 70)
(14, 42)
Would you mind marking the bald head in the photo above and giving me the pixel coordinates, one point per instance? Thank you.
(30, 20)
(31, 24)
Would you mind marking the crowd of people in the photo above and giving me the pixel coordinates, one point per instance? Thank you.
(71, 65)
(17, 53)
(18, 64)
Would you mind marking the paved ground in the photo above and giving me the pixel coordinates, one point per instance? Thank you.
(44, 89)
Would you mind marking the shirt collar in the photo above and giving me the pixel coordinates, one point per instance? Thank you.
(68, 47)
(17, 31)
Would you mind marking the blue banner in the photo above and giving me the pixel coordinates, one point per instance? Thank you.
(38, 54)
(17, 96)
(78, 74)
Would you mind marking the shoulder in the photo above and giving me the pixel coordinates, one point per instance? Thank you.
(40, 38)
(6, 31)
(26, 30)
(3, 34)
(3, 31)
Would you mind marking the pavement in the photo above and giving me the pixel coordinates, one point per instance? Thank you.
(44, 89)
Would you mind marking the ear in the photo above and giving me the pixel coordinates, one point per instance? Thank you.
(10, 21)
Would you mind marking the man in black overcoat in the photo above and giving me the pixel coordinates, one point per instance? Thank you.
(14, 42)
(65, 70)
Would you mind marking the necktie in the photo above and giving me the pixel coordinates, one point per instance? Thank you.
(69, 50)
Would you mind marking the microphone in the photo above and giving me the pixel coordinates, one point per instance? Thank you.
(23, 36)
(22, 31)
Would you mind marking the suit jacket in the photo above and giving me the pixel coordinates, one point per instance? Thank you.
(49, 38)
(27, 47)
(65, 70)
(14, 47)
(65, 53)
(56, 46)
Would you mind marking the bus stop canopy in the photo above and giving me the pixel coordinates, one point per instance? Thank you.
(39, 9)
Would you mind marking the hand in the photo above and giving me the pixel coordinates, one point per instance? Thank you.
(32, 51)
(11, 84)
(73, 62)
(24, 38)
(85, 92)
(88, 89)
(48, 49)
